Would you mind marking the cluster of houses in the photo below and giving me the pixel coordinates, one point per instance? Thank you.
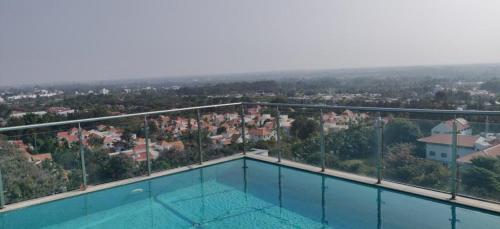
(334, 122)
(439, 144)
(111, 136)
(222, 129)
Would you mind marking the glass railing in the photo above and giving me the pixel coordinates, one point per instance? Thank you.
(44, 159)
(221, 133)
(261, 130)
(408, 146)
(115, 149)
(413, 155)
(40, 162)
(300, 135)
(351, 141)
(479, 166)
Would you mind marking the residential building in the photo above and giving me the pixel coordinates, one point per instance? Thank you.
(18, 114)
(177, 146)
(490, 152)
(261, 134)
(104, 91)
(463, 127)
(139, 152)
(438, 146)
(64, 111)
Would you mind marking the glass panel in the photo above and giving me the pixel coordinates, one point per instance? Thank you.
(114, 149)
(221, 132)
(417, 151)
(261, 130)
(174, 137)
(351, 141)
(479, 161)
(39, 162)
(300, 135)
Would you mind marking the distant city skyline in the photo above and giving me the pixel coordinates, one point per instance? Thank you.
(80, 41)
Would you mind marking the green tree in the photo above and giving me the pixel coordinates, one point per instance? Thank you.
(95, 141)
(24, 180)
(482, 178)
(303, 127)
(401, 165)
(401, 131)
(356, 142)
(119, 167)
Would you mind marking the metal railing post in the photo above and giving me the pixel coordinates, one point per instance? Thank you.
(454, 173)
(146, 137)
(2, 197)
(242, 115)
(278, 128)
(322, 140)
(198, 121)
(380, 147)
(82, 156)
(487, 125)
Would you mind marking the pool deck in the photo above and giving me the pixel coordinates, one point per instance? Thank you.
(465, 201)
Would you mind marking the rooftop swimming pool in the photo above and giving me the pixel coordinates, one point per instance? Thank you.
(247, 193)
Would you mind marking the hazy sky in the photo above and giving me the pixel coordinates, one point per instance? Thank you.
(69, 40)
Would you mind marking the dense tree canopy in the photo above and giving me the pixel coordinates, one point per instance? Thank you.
(23, 179)
(401, 131)
(401, 165)
(482, 178)
(304, 127)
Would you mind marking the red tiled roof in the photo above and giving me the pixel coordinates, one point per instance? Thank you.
(140, 147)
(260, 132)
(72, 138)
(445, 139)
(62, 134)
(493, 151)
(108, 139)
(461, 124)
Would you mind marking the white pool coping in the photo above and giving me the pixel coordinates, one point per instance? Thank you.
(465, 201)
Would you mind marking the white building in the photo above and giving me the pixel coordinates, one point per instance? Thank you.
(438, 147)
(463, 127)
(61, 111)
(104, 91)
(17, 114)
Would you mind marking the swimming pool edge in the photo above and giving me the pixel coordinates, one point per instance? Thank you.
(417, 191)
(114, 184)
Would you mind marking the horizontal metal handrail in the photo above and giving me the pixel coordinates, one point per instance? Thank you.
(315, 106)
(378, 109)
(76, 121)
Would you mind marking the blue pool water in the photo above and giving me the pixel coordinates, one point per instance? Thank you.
(246, 193)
